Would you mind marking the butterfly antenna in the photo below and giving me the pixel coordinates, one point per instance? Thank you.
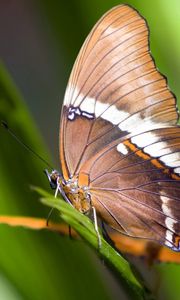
(5, 125)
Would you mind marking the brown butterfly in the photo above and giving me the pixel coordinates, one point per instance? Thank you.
(119, 138)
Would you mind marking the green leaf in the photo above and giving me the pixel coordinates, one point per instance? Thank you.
(85, 227)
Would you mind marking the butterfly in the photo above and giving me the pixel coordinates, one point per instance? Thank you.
(119, 138)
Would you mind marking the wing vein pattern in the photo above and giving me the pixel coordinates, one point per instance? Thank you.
(119, 134)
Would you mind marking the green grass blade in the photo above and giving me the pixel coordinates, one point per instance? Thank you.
(85, 227)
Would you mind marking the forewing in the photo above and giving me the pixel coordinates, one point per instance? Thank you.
(114, 90)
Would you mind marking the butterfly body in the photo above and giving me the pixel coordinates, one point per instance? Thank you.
(79, 196)
(119, 138)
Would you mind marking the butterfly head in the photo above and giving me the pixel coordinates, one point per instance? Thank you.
(54, 178)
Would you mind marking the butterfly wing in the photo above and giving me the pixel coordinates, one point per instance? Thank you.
(117, 107)
(137, 191)
(114, 85)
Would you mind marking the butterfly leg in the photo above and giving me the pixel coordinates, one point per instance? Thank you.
(57, 189)
(96, 227)
(50, 213)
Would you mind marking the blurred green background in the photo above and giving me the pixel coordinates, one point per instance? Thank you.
(39, 41)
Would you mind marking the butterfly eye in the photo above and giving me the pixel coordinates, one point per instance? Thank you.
(53, 178)
(119, 138)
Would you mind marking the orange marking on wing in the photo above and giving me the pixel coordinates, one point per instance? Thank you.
(177, 240)
(136, 150)
(62, 158)
(83, 179)
(130, 145)
(154, 161)
(143, 155)
(174, 176)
